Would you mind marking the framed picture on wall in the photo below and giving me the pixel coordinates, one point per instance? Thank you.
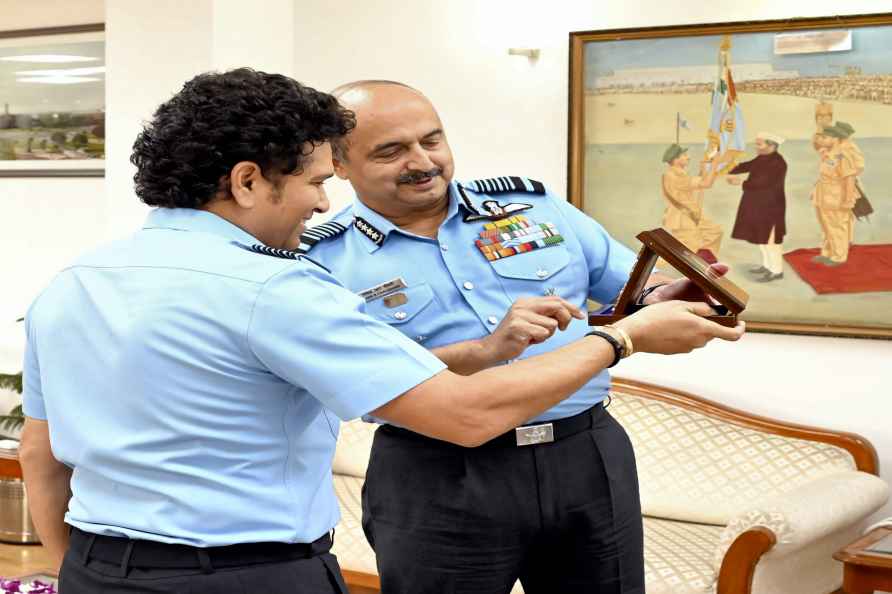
(762, 145)
(52, 102)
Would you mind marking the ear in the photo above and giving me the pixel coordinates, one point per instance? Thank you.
(243, 183)
(339, 168)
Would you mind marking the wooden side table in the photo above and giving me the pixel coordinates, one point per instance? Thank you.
(865, 571)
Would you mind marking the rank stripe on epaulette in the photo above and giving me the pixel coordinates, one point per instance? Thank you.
(286, 254)
(505, 184)
(467, 201)
(314, 235)
(274, 252)
(538, 187)
(325, 230)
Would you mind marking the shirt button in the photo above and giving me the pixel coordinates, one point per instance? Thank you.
(492, 320)
(468, 285)
(444, 247)
(400, 315)
(541, 273)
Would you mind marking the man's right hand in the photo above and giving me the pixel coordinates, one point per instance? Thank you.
(674, 327)
(530, 320)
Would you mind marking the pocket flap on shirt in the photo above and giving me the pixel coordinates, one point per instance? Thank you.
(417, 298)
(538, 264)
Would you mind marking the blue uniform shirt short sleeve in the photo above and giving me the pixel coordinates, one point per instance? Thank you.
(609, 261)
(310, 331)
(32, 393)
(192, 384)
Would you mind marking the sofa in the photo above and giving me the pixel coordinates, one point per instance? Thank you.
(733, 503)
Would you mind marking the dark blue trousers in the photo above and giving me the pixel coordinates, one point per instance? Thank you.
(563, 517)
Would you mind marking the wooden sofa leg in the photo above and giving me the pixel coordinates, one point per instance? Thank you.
(739, 564)
(361, 583)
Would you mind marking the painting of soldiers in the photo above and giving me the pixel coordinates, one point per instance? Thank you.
(797, 136)
(683, 193)
(834, 198)
(823, 118)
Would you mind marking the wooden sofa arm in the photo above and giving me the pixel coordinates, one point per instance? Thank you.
(739, 564)
(861, 450)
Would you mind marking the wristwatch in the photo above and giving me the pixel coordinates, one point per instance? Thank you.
(618, 338)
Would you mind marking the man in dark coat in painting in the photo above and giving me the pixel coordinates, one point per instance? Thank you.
(761, 217)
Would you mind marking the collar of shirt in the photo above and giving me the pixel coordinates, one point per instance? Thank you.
(202, 221)
(383, 225)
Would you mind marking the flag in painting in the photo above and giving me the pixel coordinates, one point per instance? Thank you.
(726, 126)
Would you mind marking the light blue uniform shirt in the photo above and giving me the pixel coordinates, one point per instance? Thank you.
(455, 294)
(195, 386)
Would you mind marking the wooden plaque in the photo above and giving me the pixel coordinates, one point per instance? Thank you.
(659, 243)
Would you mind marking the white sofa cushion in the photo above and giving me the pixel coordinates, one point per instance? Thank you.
(350, 546)
(354, 446)
(678, 556)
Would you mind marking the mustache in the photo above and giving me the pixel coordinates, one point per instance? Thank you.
(417, 176)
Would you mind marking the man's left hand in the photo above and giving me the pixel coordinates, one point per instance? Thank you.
(684, 289)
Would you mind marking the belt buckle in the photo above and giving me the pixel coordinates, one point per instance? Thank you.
(534, 434)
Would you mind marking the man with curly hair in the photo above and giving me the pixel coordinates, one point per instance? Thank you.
(182, 386)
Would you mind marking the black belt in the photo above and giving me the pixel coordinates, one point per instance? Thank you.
(548, 431)
(525, 435)
(146, 553)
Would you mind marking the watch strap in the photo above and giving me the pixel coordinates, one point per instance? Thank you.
(617, 346)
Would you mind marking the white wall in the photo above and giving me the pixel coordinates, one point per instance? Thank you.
(44, 221)
(506, 116)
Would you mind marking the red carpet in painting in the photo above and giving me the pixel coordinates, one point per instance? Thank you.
(868, 269)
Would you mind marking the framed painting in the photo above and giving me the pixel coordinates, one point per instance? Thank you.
(52, 102)
(763, 145)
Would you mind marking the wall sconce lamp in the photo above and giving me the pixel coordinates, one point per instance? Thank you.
(531, 53)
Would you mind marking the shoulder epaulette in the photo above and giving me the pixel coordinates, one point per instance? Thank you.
(287, 254)
(314, 235)
(274, 252)
(505, 185)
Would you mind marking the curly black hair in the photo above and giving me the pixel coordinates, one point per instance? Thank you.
(184, 154)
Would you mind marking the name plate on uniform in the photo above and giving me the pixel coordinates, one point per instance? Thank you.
(379, 291)
(659, 243)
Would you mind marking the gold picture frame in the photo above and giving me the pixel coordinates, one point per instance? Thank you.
(635, 92)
